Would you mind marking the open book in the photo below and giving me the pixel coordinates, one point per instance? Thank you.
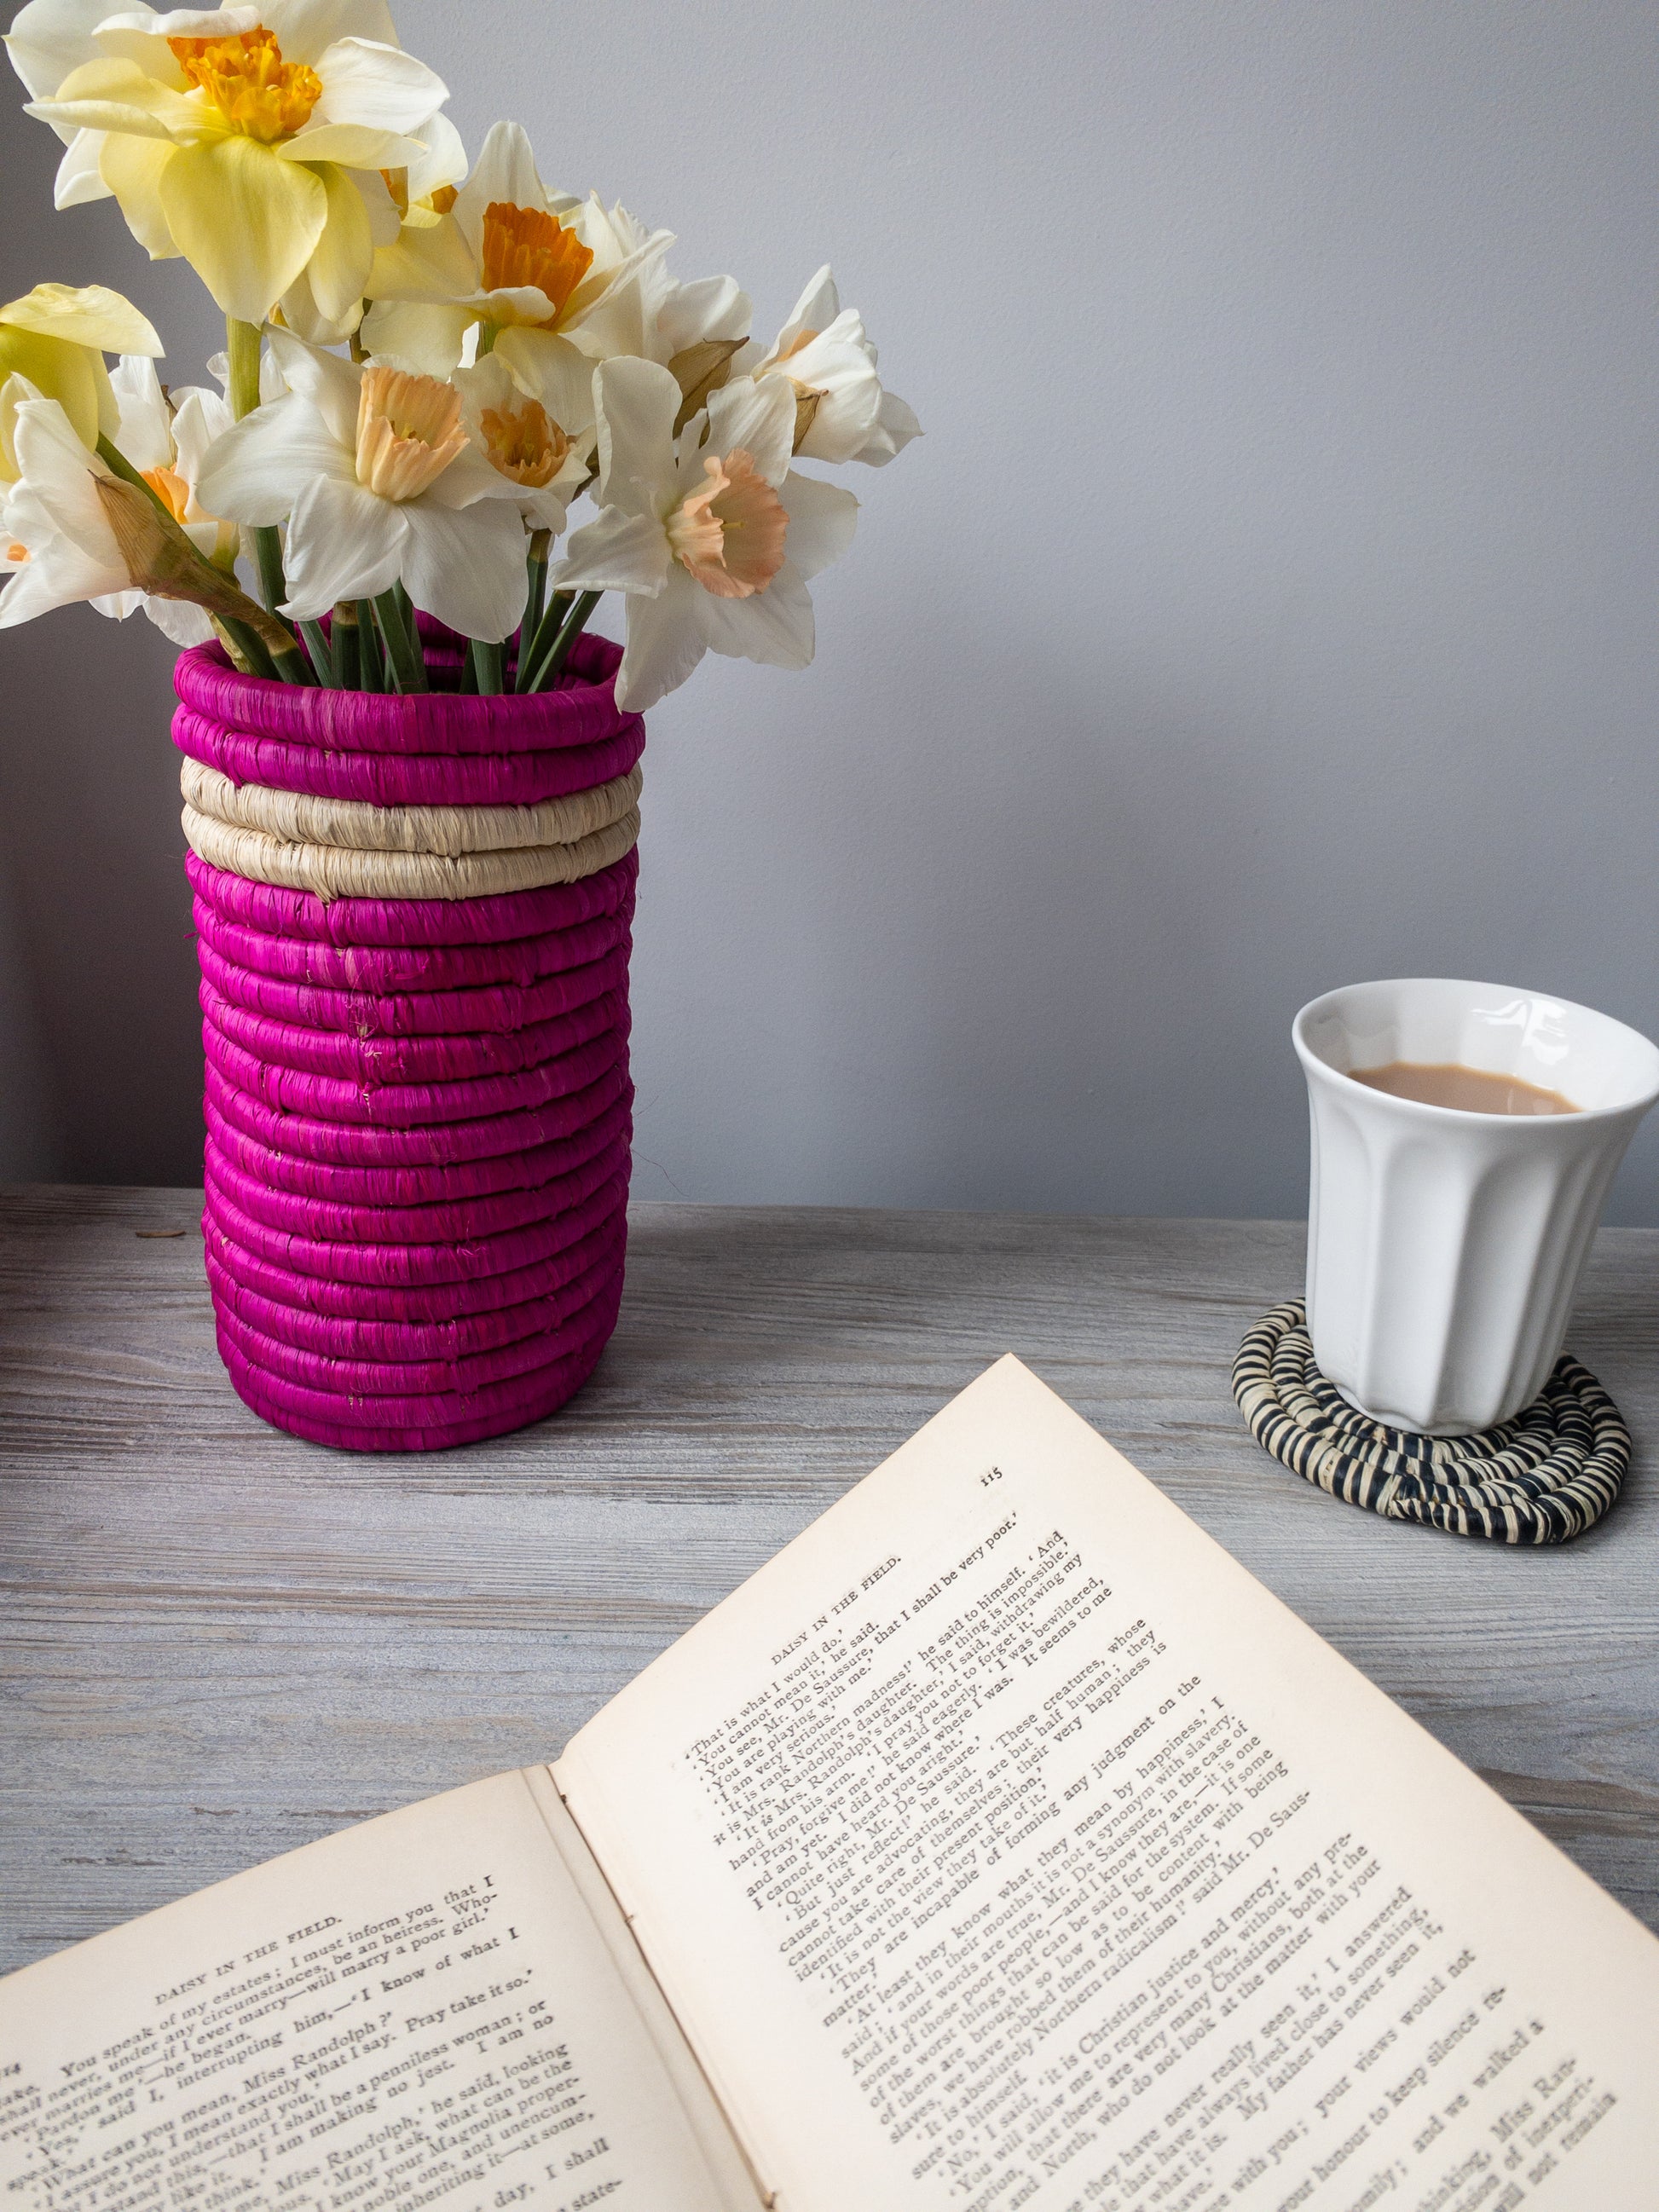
(1001, 1844)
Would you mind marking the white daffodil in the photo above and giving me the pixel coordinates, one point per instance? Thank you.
(166, 438)
(375, 474)
(537, 274)
(708, 534)
(822, 351)
(248, 139)
(56, 337)
(56, 533)
(546, 459)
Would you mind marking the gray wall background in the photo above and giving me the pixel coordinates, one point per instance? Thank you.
(1271, 603)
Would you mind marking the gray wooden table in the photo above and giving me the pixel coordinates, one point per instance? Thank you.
(219, 1643)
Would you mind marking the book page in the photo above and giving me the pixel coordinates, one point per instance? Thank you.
(1003, 1843)
(427, 2009)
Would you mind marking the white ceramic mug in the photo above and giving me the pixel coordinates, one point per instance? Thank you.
(1444, 1247)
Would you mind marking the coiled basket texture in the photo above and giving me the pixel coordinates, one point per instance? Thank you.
(414, 918)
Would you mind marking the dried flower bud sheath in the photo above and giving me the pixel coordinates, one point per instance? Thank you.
(161, 560)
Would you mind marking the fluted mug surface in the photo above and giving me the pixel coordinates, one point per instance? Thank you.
(1444, 1247)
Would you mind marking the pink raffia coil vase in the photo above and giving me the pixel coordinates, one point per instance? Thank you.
(414, 918)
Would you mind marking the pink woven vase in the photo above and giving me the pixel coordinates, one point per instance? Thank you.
(418, 1110)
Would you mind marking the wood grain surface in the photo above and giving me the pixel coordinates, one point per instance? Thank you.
(219, 1643)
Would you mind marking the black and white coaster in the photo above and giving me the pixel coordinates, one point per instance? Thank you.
(1542, 1478)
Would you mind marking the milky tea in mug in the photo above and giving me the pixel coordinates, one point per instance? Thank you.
(1446, 1237)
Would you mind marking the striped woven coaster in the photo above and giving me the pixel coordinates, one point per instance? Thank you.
(1542, 1478)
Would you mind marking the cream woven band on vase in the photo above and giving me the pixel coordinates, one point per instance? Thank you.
(347, 848)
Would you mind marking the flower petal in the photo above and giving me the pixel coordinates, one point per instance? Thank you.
(637, 403)
(774, 627)
(691, 315)
(301, 314)
(442, 162)
(61, 578)
(80, 178)
(428, 261)
(471, 476)
(201, 420)
(616, 552)
(339, 268)
(59, 478)
(53, 368)
(546, 366)
(418, 335)
(258, 470)
(603, 295)
(132, 36)
(133, 169)
(185, 22)
(50, 38)
(895, 425)
(506, 170)
(113, 94)
(816, 309)
(467, 569)
(760, 416)
(144, 432)
(89, 315)
(333, 386)
(840, 366)
(665, 644)
(185, 624)
(343, 543)
(353, 145)
(384, 221)
(364, 81)
(306, 29)
(822, 520)
(512, 306)
(245, 221)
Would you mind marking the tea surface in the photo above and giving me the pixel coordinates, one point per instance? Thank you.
(1469, 1090)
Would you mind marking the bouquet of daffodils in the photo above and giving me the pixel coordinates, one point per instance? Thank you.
(427, 365)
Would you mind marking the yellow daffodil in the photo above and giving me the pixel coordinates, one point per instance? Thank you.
(251, 140)
(56, 337)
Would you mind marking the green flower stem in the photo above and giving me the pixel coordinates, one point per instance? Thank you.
(322, 653)
(407, 664)
(487, 664)
(347, 676)
(406, 608)
(242, 344)
(574, 624)
(249, 645)
(468, 675)
(534, 651)
(290, 663)
(370, 659)
(540, 542)
(267, 544)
